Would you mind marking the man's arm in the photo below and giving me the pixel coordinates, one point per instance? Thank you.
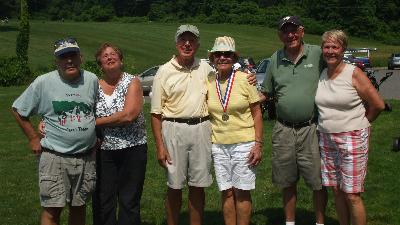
(29, 131)
(162, 153)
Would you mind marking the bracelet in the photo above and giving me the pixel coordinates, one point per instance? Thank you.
(260, 142)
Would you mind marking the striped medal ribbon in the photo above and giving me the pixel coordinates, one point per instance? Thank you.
(224, 101)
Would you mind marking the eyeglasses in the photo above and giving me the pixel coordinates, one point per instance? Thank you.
(225, 54)
(290, 29)
(64, 42)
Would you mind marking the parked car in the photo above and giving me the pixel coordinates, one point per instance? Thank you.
(394, 61)
(268, 106)
(350, 59)
(261, 69)
(146, 78)
(247, 63)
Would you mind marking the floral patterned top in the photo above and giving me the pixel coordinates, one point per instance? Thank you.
(120, 137)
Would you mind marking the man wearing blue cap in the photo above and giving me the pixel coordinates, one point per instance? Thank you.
(292, 79)
(65, 99)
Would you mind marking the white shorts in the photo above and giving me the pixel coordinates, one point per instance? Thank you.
(231, 166)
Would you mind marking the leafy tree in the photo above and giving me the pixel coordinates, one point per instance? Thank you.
(23, 41)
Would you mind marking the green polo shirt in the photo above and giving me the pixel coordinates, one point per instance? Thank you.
(294, 85)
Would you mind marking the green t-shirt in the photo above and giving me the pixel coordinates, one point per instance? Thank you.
(66, 108)
(294, 85)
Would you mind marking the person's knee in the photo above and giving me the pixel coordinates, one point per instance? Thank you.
(290, 190)
(196, 190)
(227, 193)
(77, 209)
(354, 198)
(52, 213)
(174, 192)
(242, 195)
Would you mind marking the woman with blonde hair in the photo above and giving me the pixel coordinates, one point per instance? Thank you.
(347, 104)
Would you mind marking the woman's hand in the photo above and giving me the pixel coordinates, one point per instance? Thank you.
(41, 129)
(255, 154)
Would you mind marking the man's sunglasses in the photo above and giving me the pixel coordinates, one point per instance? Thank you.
(288, 29)
(225, 54)
(63, 42)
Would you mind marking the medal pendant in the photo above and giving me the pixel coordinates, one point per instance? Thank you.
(225, 117)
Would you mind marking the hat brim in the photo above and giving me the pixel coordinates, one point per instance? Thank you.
(66, 50)
(289, 22)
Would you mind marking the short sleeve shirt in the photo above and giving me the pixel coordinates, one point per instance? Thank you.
(66, 108)
(180, 92)
(240, 125)
(294, 85)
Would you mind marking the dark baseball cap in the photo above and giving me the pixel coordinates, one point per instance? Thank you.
(65, 45)
(289, 19)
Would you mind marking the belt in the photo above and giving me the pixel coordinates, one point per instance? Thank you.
(298, 124)
(190, 121)
(80, 154)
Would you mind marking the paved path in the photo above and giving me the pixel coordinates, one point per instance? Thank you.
(390, 88)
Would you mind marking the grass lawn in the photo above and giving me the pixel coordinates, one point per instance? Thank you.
(148, 44)
(19, 201)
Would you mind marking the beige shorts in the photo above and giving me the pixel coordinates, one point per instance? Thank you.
(189, 147)
(66, 179)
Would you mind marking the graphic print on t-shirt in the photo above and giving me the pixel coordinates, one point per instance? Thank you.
(70, 111)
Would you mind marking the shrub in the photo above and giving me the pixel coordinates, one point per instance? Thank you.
(130, 19)
(92, 66)
(12, 72)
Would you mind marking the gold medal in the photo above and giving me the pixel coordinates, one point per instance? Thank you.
(225, 117)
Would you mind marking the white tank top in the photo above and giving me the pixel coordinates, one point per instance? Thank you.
(340, 107)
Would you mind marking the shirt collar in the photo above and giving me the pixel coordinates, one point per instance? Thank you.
(174, 62)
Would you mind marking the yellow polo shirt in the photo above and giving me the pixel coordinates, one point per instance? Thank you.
(180, 92)
(240, 126)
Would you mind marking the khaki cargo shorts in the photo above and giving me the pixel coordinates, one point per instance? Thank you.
(66, 179)
(189, 147)
(295, 153)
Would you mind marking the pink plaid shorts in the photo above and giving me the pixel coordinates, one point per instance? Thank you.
(344, 159)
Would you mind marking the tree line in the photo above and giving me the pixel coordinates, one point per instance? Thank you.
(373, 19)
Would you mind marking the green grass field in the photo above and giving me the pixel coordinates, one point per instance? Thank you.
(19, 201)
(147, 44)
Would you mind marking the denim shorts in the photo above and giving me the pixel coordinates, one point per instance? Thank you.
(66, 179)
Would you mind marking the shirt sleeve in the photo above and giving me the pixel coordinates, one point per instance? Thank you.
(157, 99)
(27, 103)
(267, 85)
(252, 93)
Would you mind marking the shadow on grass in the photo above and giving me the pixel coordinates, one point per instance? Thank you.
(7, 28)
(267, 216)
(275, 216)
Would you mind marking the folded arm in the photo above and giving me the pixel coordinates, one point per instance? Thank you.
(132, 107)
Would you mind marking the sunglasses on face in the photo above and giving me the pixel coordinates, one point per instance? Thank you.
(64, 42)
(225, 54)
